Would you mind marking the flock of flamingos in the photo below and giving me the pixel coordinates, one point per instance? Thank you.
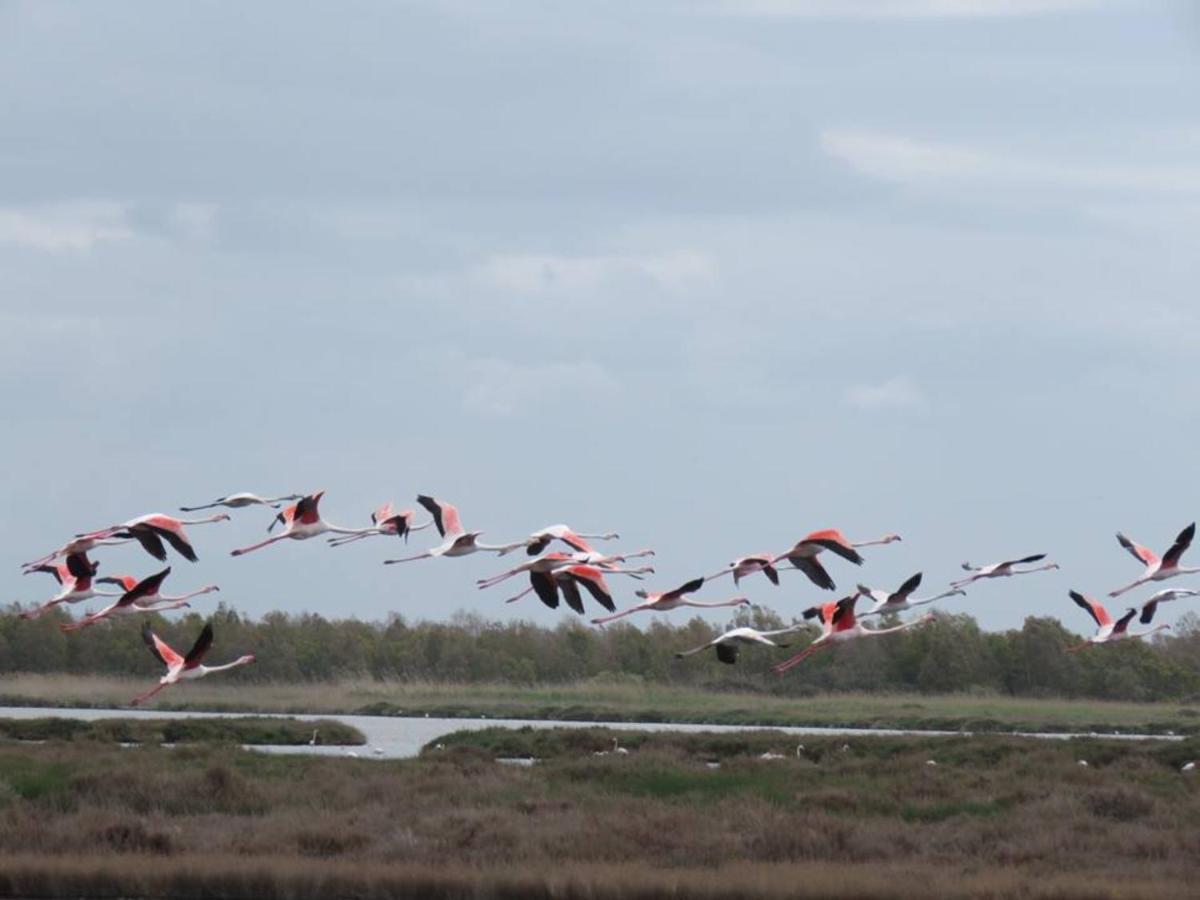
(553, 575)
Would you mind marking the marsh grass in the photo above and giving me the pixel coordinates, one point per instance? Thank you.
(620, 700)
(253, 731)
(860, 817)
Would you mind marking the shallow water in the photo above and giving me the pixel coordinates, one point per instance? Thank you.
(397, 737)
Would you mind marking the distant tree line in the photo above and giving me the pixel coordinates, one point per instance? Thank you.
(949, 654)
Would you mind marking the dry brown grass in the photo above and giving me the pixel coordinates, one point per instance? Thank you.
(997, 817)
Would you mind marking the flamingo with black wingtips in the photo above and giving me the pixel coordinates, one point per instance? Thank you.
(538, 541)
(140, 599)
(458, 541)
(749, 565)
(77, 545)
(1150, 606)
(804, 552)
(664, 601)
(728, 644)
(1005, 569)
(569, 579)
(244, 499)
(901, 599)
(839, 627)
(386, 521)
(151, 530)
(1108, 629)
(301, 521)
(1158, 569)
(76, 575)
(184, 668)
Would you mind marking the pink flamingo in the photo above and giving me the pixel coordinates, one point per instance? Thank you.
(458, 541)
(385, 520)
(237, 501)
(568, 580)
(1158, 569)
(540, 540)
(78, 545)
(1106, 629)
(1004, 569)
(663, 601)
(150, 531)
(301, 521)
(183, 668)
(901, 599)
(842, 626)
(139, 599)
(803, 554)
(76, 576)
(748, 565)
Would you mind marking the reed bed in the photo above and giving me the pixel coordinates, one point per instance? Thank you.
(677, 815)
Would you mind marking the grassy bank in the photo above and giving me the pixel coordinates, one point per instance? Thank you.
(996, 816)
(620, 701)
(252, 731)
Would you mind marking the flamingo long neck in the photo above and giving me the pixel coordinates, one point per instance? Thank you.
(183, 598)
(168, 603)
(1147, 632)
(900, 627)
(886, 539)
(215, 517)
(952, 593)
(1040, 568)
(736, 601)
(241, 661)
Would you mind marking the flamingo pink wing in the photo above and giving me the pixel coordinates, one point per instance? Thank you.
(1144, 555)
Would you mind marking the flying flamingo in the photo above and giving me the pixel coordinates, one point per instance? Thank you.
(541, 539)
(568, 580)
(150, 531)
(78, 545)
(1158, 569)
(901, 600)
(139, 599)
(728, 644)
(183, 668)
(76, 576)
(385, 520)
(543, 565)
(662, 601)
(237, 501)
(748, 565)
(1164, 596)
(1002, 569)
(843, 626)
(803, 554)
(1106, 629)
(302, 521)
(458, 541)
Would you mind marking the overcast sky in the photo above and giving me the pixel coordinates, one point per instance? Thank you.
(711, 274)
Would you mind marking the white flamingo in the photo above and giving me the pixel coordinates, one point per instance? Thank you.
(1002, 569)
(901, 599)
(728, 644)
(663, 601)
(238, 501)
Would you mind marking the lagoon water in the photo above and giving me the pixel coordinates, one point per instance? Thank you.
(398, 737)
